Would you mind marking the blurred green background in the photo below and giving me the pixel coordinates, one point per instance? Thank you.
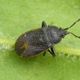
(19, 16)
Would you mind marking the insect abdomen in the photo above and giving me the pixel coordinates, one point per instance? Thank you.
(31, 43)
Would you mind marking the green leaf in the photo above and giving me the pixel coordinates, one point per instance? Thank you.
(19, 16)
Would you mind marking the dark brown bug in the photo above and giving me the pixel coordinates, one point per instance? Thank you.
(42, 39)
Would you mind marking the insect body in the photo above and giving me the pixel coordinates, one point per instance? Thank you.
(40, 40)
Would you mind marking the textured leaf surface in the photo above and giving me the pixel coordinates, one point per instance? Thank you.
(18, 16)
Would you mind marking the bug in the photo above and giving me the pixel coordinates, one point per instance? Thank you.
(43, 39)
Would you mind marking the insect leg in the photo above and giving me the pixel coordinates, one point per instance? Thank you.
(44, 53)
(44, 24)
(52, 51)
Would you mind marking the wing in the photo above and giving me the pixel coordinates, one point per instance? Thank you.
(32, 51)
(31, 43)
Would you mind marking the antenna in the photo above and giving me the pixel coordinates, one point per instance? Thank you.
(74, 35)
(72, 24)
